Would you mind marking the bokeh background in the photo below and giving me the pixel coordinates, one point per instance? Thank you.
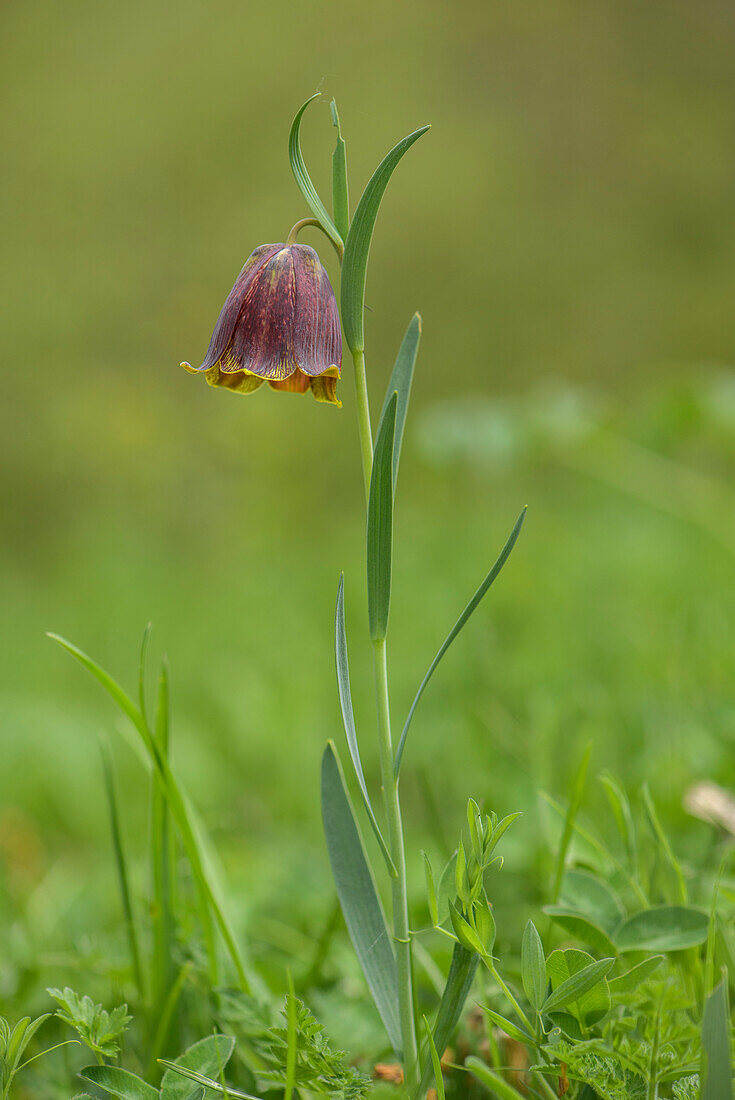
(565, 229)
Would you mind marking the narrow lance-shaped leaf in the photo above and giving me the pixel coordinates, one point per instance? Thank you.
(435, 1062)
(303, 179)
(459, 982)
(400, 383)
(533, 966)
(340, 192)
(461, 621)
(380, 525)
(576, 986)
(357, 245)
(348, 718)
(358, 896)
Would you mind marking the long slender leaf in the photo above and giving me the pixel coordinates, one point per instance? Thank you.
(303, 179)
(340, 191)
(461, 621)
(380, 525)
(121, 866)
(717, 1069)
(400, 383)
(180, 809)
(574, 804)
(207, 1082)
(358, 896)
(357, 246)
(490, 1077)
(435, 1062)
(348, 718)
(459, 982)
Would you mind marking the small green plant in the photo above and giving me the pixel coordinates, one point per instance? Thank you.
(14, 1042)
(98, 1029)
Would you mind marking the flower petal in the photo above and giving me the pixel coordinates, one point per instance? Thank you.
(223, 330)
(324, 388)
(317, 330)
(263, 340)
(295, 383)
(240, 382)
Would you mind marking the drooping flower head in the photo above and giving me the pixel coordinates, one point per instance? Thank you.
(280, 324)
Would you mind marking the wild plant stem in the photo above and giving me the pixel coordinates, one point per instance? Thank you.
(401, 933)
(363, 419)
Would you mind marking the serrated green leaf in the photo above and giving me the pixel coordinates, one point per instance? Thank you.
(460, 623)
(358, 896)
(582, 978)
(340, 192)
(303, 179)
(716, 1067)
(380, 525)
(357, 246)
(119, 1082)
(663, 928)
(533, 966)
(348, 718)
(400, 383)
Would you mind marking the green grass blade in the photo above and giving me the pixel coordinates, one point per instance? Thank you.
(348, 718)
(491, 1078)
(459, 982)
(400, 383)
(569, 822)
(460, 623)
(665, 846)
(358, 896)
(357, 246)
(435, 1062)
(211, 903)
(380, 525)
(340, 190)
(142, 670)
(121, 866)
(303, 179)
(163, 864)
(716, 1068)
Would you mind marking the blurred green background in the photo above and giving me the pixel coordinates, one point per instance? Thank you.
(565, 229)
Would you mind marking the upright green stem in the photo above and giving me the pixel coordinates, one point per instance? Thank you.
(363, 419)
(401, 932)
